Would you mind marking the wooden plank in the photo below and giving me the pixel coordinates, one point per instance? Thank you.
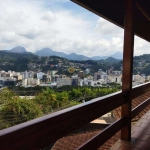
(140, 107)
(128, 65)
(43, 131)
(99, 139)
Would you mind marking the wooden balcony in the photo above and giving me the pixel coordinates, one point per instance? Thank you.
(41, 132)
(133, 16)
(140, 136)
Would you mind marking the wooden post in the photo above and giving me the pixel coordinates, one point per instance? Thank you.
(128, 65)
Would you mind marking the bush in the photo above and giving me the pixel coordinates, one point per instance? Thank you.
(17, 111)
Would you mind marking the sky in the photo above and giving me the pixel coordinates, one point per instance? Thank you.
(60, 25)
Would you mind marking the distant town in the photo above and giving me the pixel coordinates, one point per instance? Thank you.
(21, 68)
(53, 79)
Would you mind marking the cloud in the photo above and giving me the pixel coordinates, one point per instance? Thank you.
(141, 46)
(38, 24)
(105, 28)
(31, 33)
(49, 16)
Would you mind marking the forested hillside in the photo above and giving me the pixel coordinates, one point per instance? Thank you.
(15, 61)
(27, 61)
(21, 62)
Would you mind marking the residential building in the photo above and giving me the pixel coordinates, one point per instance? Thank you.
(40, 75)
(30, 82)
(64, 81)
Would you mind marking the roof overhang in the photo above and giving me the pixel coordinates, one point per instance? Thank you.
(114, 11)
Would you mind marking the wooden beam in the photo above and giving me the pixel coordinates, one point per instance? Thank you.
(128, 65)
(143, 11)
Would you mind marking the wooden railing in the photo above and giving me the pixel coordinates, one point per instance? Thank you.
(41, 132)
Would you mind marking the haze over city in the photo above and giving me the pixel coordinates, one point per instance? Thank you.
(62, 26)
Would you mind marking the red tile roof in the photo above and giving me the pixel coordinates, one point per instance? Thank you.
(135, 102)
(71, 142)
(74, 141)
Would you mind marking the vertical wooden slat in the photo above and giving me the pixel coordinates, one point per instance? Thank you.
(128, 65)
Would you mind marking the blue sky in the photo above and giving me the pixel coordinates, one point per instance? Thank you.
(62, 26)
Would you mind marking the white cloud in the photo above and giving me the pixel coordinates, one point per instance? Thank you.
(106, 28)
(39, 24)
(49, 16)
(141, 46)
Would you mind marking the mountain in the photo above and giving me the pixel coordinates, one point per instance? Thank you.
(99, 57)
(24, 61)
(117, 55)
(110, 61)
(74, 56)
(18, 49)
(49, 52)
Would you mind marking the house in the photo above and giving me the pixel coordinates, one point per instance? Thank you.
(133, 16)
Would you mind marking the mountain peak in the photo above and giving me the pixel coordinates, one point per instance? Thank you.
(117, 55)
(18, 49)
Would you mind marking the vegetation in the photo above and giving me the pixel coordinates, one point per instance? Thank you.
(28, 61)
(110, 61)
(15, 61)
(19, 110)
(14, 110)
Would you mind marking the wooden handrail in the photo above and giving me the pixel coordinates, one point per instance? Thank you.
(40, 132)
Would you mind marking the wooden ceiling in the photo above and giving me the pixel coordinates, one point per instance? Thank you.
(114, 11)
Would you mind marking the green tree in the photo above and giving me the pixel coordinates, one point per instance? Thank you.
(17, 111)
(46, 100)
(62, 99)
(6, 95)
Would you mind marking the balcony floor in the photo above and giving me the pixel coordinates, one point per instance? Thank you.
(140, 136)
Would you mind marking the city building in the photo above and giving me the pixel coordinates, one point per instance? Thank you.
(27, 74)
(40, 75)
(30, 82)
(64, 81)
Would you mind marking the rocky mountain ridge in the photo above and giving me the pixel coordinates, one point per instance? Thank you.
(72, 56)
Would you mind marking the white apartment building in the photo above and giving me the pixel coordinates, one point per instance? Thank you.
(100, 81)
(63, 81)
(31, 82)
(116, 79)
(53, 73)
(148, 78)
(116, 73)
(138, 78)
(26, 74)
(100, 75)
(86, 82)
(10, 75)
(40, 75)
